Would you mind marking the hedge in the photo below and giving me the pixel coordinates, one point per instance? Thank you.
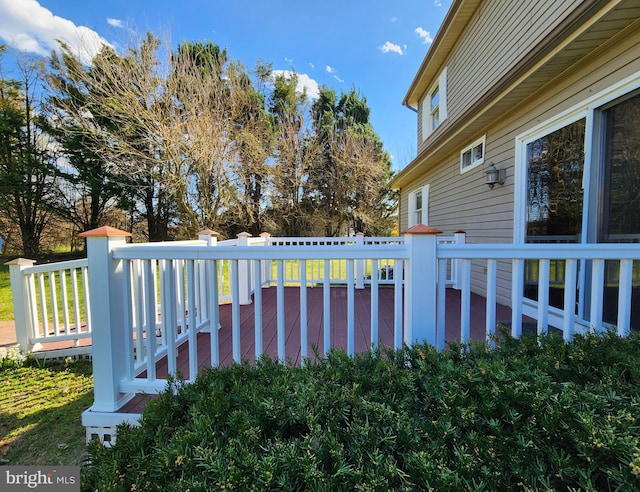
(527, 415)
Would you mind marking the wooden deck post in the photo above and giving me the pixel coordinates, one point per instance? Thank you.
(21, 310)
(244, 272)
(420, 293)
(359, 263)
(106, 302)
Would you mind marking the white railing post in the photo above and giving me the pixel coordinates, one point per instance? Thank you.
(360, 263)
(244, 272)
(456, 265)
(420, 293)
(267, 270)
(21, 302)
(107, 318)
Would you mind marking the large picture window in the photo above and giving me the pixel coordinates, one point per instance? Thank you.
(582, 185)
(555, 167)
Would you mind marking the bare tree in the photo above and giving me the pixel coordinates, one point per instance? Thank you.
(295, 151)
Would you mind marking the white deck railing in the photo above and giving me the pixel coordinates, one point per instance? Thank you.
(58, 292)
(148, 299)
(584, 284)
(51, 304)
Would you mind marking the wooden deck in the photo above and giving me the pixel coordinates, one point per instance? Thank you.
(315, 322)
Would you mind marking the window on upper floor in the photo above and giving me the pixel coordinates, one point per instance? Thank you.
(472, 156)
(434, 105)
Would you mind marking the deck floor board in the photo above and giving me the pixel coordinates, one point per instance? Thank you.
(315, 327)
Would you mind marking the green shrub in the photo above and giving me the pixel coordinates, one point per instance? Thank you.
(526, 415)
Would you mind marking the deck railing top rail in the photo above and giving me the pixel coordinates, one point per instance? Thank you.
(551, 251)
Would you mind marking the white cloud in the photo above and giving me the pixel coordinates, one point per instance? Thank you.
(394, 19)
(288, 60)
(437, 3)
(338, 79)
(390, 47)
(304, 83)
(28, 26)
(313, 67)
(114, 22)
(424, 35)
(330, 69)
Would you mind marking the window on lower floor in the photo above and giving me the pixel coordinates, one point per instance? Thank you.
(419, 206)
(574, 196)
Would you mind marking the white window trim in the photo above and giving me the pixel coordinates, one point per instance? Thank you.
(441, 85)
(585, 109)
(412, 206)
(478, 162)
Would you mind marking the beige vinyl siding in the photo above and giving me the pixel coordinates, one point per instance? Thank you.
(500, 35)
(463, 201)
(487, 50)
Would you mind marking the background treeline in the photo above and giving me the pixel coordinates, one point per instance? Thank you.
(164, 142)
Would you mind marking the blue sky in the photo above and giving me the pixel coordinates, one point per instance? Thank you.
(375, 46)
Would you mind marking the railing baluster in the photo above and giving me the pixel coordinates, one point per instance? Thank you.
(441, 321)
(169, 320)
(517, 283)
(192, 331)
(128, 320)
(65, 302)
(625, 287)
(350, 308)
(303, 311)
(326, 307)
(568, 319)
(597, 293)
(155, 285)
(180, 295)
(54, 304)
(43, 305)
(490, 327)
(465, 303)
(543, 296)
(257, 309)
(280, 312)
(76, 297)
(235, 312)
(85, 291)
(214, 314)
(139, 311)
(150, 326)
(398, 274)
(374, 304)
(33, 306)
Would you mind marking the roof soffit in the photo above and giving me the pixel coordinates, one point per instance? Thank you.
(454, 24)
(524, 82)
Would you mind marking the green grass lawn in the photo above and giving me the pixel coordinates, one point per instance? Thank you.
(6, 305)
(40, 410)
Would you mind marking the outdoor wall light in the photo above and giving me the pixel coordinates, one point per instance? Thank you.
(494, 175)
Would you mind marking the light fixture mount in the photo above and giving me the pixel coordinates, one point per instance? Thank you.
(494, 176)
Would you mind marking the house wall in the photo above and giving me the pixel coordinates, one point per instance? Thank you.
(488, 49)
(463, 201)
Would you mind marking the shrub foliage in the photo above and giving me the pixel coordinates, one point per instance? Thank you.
(527, 415)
